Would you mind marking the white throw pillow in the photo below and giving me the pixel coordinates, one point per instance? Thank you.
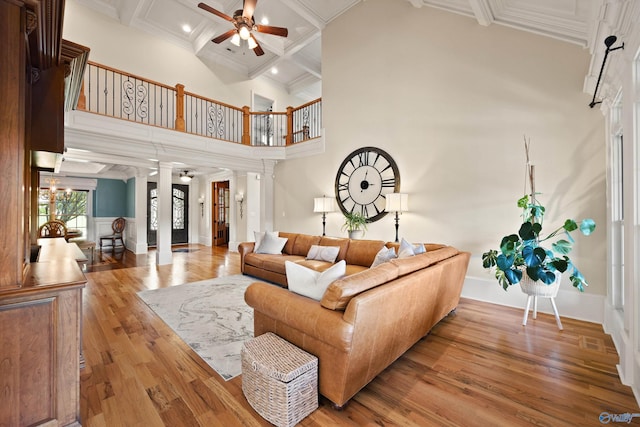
(385, 254)
(271, 244)
(406, 249)
(419, 249)
(323, 253)
(310, 283)
(259, 235)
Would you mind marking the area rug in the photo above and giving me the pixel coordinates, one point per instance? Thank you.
(210, 316)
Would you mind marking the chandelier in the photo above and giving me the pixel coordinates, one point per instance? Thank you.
(54, 196)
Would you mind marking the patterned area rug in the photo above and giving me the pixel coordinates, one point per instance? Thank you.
(210, 316)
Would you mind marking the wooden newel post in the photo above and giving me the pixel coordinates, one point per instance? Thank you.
(246, 124)
(82, 99)
(179, 125)
(289, 139)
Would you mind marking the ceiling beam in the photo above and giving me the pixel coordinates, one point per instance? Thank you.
(482, 12)
(129, 11)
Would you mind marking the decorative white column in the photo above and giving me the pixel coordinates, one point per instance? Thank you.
(268, 194)
(253, 204)
(140, 245)
(165, 197)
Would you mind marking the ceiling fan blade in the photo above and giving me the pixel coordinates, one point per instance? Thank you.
(249, 8)
(257, 50)
(215, 12)
(276, 31)
(222, 37)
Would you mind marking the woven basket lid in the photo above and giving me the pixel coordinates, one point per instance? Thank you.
(278, 358)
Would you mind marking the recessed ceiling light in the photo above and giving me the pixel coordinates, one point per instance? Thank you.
(186, 28)
(264, 20)
(274, 70)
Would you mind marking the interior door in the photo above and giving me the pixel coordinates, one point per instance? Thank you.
(179, 213)
(220, 215)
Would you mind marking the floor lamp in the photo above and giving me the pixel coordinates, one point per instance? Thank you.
(397, 202)
(323, 204)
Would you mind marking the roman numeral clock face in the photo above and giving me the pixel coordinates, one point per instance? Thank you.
(364, 179)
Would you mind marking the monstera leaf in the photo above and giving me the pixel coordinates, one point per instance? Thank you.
(524, 253)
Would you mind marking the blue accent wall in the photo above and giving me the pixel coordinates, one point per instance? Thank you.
(110, 198)
(131, 198)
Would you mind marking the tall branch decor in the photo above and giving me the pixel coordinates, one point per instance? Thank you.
(523, 253)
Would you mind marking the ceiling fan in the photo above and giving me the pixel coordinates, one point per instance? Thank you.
(186, 176)
(244, 23)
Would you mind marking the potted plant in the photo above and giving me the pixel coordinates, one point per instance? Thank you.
(523, 257)
(355, 223)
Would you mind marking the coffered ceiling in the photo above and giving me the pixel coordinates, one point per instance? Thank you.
(297, 58)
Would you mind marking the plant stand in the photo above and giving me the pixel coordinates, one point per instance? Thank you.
(538, 289)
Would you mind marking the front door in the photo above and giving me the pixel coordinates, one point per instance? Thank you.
(220, 215)
(179, 213)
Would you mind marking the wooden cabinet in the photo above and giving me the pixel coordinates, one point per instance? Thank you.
(40, 303)
(40, 347)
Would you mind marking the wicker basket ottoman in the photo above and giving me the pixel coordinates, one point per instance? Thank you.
(279, 380)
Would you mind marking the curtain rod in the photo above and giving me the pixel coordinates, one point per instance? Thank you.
(609, 41)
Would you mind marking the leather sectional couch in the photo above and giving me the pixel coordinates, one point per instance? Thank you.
(365, 320)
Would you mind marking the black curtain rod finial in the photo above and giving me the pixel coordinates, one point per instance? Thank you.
(608, 42)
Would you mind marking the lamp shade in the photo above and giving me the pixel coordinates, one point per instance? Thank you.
(397, 202)
(323, 204)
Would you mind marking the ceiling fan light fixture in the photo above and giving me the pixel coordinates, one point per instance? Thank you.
(185, 176)
(252, 43)
(244, 32)
(235, 39)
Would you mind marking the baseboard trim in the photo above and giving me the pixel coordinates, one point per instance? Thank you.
(570, 302)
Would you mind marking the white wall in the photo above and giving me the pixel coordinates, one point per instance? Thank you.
(450, 101)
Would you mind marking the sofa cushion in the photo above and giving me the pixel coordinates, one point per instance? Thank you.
(288, 247)
(417, 262)
(274, 263)
(323, 253)
(303, 243)
(343, 243)
(363, 252)
(314, 264)
(340, 292)
(354, 269)
(310, 283)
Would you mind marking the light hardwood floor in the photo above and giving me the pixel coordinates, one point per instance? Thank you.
(479, 367)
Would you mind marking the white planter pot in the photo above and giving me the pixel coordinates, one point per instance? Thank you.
(538, 288)
(356, 234)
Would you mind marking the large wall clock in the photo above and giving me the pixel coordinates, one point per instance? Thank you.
(363, 180)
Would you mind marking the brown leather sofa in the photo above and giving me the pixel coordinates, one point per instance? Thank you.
(367, 319)
(358, 254)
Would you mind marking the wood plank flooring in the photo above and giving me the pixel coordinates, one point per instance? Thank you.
(478, 367)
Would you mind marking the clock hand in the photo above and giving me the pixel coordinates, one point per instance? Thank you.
(364, 184)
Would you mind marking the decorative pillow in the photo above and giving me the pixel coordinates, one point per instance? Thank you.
(259, 235)
(310, 283)
(406, 249)
(323, 253)
(385, 254)
(271, 244)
